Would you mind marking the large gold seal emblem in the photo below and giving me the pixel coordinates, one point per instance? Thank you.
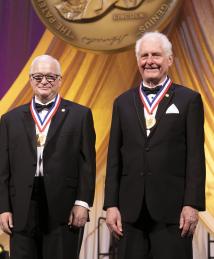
(105, 25)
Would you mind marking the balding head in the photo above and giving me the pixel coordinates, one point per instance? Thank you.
(42, 60)
(45, 77)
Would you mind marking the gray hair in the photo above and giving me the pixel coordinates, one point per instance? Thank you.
(162, 38)
(46, 58)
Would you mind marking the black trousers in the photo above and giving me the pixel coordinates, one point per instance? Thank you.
(42, 238)
(147, 239)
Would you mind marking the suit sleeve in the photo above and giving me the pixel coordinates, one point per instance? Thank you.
(4, 168)
(87, 163)
(114, 162)
(195, 169)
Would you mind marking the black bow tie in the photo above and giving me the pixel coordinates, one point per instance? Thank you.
(148, 90)
(39, 107)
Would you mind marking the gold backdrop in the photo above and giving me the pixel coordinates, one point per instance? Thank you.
(95, 80)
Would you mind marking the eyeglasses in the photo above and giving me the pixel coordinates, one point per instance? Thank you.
(49, 77)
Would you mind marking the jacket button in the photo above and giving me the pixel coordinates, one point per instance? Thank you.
(142, 173)
(147, 149)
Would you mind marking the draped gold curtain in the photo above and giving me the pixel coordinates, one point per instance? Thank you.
(193, 41)
(96, 79)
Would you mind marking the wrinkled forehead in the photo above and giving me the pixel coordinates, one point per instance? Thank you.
(45, 64)
(153, 45)
(45, 68)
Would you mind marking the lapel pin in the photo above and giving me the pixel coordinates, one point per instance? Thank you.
(167, 95)
(63, 110)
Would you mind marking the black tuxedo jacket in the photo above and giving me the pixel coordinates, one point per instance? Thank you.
(68, 161)
(166, 169)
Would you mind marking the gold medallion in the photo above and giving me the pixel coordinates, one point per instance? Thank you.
(40, 140)
(150, 122)
(105, 25)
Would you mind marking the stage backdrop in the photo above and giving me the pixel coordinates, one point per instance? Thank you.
(95, 80)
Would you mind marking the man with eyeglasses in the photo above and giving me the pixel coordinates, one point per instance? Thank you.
(47, 169)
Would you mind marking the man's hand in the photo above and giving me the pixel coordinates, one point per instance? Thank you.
(78, 216)
(188, 221)
(113, 221)
(6, 222)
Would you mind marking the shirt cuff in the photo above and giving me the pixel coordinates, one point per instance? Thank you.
(82, 203)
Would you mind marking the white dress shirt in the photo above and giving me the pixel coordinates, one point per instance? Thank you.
(151, 97)
(39, 167)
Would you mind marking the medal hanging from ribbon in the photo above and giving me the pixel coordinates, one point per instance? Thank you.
(151, 105)
(43, 123)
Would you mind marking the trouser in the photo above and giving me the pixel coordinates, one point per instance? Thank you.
(148, 239)
(41, 238)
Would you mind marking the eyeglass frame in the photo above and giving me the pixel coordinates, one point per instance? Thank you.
(44, 75)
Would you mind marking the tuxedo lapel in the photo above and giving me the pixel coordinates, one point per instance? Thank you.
(139, 110)
(57, 120)
(164, 104)
(30, 126)
(162, 108)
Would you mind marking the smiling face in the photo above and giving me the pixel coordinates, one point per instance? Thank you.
(45, 78)
(153, 62)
